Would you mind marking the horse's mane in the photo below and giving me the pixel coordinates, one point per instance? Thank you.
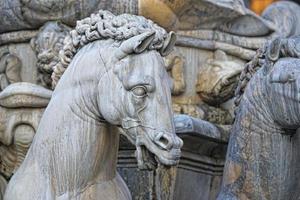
(248, 72)
(105, 25)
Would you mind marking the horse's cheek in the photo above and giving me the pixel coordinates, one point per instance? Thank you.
(109, 106)
(130, 107)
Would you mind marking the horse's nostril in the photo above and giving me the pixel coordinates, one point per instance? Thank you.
(164, 141)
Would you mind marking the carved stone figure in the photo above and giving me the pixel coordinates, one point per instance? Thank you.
(217, 79)
(263, 154)
(21, 107)
(47, 45)
(24, 14)
(228, 19)
(176, 66)
(111, 74)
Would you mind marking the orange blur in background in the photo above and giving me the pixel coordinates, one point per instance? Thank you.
(259, 5)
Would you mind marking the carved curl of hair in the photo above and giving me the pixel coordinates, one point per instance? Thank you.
(105, 25)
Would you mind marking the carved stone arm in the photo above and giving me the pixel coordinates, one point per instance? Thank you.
(185, 124)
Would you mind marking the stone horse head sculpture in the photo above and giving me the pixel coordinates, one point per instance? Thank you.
(263, 157)
(113, 77)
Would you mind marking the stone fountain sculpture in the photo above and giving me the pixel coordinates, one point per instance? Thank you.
(215, 38)
(111, 75)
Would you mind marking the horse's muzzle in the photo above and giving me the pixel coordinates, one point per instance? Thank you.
(165, 146)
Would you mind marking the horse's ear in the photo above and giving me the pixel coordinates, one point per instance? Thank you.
(137, 44)
(273, 50)
(143, 42)
(168, 44)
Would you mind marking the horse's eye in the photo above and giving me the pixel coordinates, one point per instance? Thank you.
(139, 91)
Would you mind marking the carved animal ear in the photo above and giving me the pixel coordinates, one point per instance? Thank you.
(168, 44)
(143, 42)
(137, 44)
(273, 50)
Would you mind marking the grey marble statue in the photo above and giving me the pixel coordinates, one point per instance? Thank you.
(215, 39)
(111, 75)
(263, 154)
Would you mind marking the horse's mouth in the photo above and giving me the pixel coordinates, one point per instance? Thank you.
(146, 160)
(149, 155)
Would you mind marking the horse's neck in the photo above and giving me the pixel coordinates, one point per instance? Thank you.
(88, 65)
(75, 103)
(82, 77)
(108, 153)
(253, 113)
(259, 147)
